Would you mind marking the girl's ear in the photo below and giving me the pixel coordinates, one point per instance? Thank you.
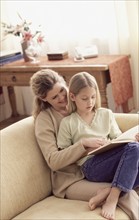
(72, 96)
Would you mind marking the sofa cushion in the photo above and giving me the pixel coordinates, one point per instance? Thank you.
(53, 208)
(25, 175)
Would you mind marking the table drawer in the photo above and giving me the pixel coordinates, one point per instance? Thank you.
(14, 79)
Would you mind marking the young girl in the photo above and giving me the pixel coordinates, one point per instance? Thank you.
(118, 166)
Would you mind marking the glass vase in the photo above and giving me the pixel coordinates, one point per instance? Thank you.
(33, 52)
(24, 46)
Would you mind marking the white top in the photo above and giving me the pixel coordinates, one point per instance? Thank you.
(73, 128)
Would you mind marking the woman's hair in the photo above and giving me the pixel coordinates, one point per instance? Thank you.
(78, 82)
(41, 83)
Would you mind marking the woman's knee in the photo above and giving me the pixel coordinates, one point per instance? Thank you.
(84, 189)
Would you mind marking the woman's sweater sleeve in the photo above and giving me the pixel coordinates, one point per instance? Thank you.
(45, 131)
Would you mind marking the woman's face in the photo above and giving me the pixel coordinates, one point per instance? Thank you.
(57, 97)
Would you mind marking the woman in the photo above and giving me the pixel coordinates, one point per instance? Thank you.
(68, 181)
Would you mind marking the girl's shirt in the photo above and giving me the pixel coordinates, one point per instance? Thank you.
(73, 128)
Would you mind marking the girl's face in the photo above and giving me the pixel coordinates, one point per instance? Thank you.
(57, 97)
(85, 100)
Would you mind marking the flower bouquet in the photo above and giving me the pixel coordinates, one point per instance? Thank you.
(29, 37)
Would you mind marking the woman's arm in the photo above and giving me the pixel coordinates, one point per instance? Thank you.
(46, 133)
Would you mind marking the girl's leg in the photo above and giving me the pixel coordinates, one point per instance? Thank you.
(109, 207)
(108, 210)
(119, 166)
(127, 172)
(97, 200)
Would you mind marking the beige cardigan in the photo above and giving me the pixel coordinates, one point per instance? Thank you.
(62, 163)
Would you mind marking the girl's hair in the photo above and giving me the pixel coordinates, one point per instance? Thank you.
(41, 83)
(78, 82)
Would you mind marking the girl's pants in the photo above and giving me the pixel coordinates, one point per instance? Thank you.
(119, 166)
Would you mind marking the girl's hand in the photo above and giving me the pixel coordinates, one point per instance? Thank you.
(137, 137)
(93, 143)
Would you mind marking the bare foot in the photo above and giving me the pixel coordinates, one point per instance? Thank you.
(108, 210)
(99, 198)
(109, 207)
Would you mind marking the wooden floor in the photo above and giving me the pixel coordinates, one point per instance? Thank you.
(10, 121)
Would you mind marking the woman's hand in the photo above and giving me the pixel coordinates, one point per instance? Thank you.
(93, 143)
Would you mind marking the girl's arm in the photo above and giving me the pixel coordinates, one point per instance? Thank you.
(114, 128)
(66, 134)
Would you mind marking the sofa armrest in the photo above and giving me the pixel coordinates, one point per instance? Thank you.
(25, 176)
(126, 121)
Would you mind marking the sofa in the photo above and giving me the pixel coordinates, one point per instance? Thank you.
(26, 189)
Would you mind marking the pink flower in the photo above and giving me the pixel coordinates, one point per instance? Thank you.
(40, 39)
(27, 36)
(23, 30)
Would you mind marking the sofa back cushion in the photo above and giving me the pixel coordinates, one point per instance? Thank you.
(126, 121)
(25, 176)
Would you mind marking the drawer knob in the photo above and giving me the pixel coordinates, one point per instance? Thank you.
(14, 78)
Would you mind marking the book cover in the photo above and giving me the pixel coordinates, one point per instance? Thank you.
(10, 59)
(8, 53)
(126, 137)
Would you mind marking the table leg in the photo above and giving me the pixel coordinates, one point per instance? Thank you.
(102, 78)
(12, 100)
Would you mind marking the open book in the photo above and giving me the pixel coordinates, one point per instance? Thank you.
(126, 137)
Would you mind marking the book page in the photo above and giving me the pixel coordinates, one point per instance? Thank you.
(124, 138)
(129, 134)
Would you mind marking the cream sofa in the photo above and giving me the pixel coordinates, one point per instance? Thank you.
(26, 190)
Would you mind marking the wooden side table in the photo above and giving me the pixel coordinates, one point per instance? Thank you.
(18, 73)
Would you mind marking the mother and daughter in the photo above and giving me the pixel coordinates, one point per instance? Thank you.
(68, 124)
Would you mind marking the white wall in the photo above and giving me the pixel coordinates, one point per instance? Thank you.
(132, 48)
(133, 21)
